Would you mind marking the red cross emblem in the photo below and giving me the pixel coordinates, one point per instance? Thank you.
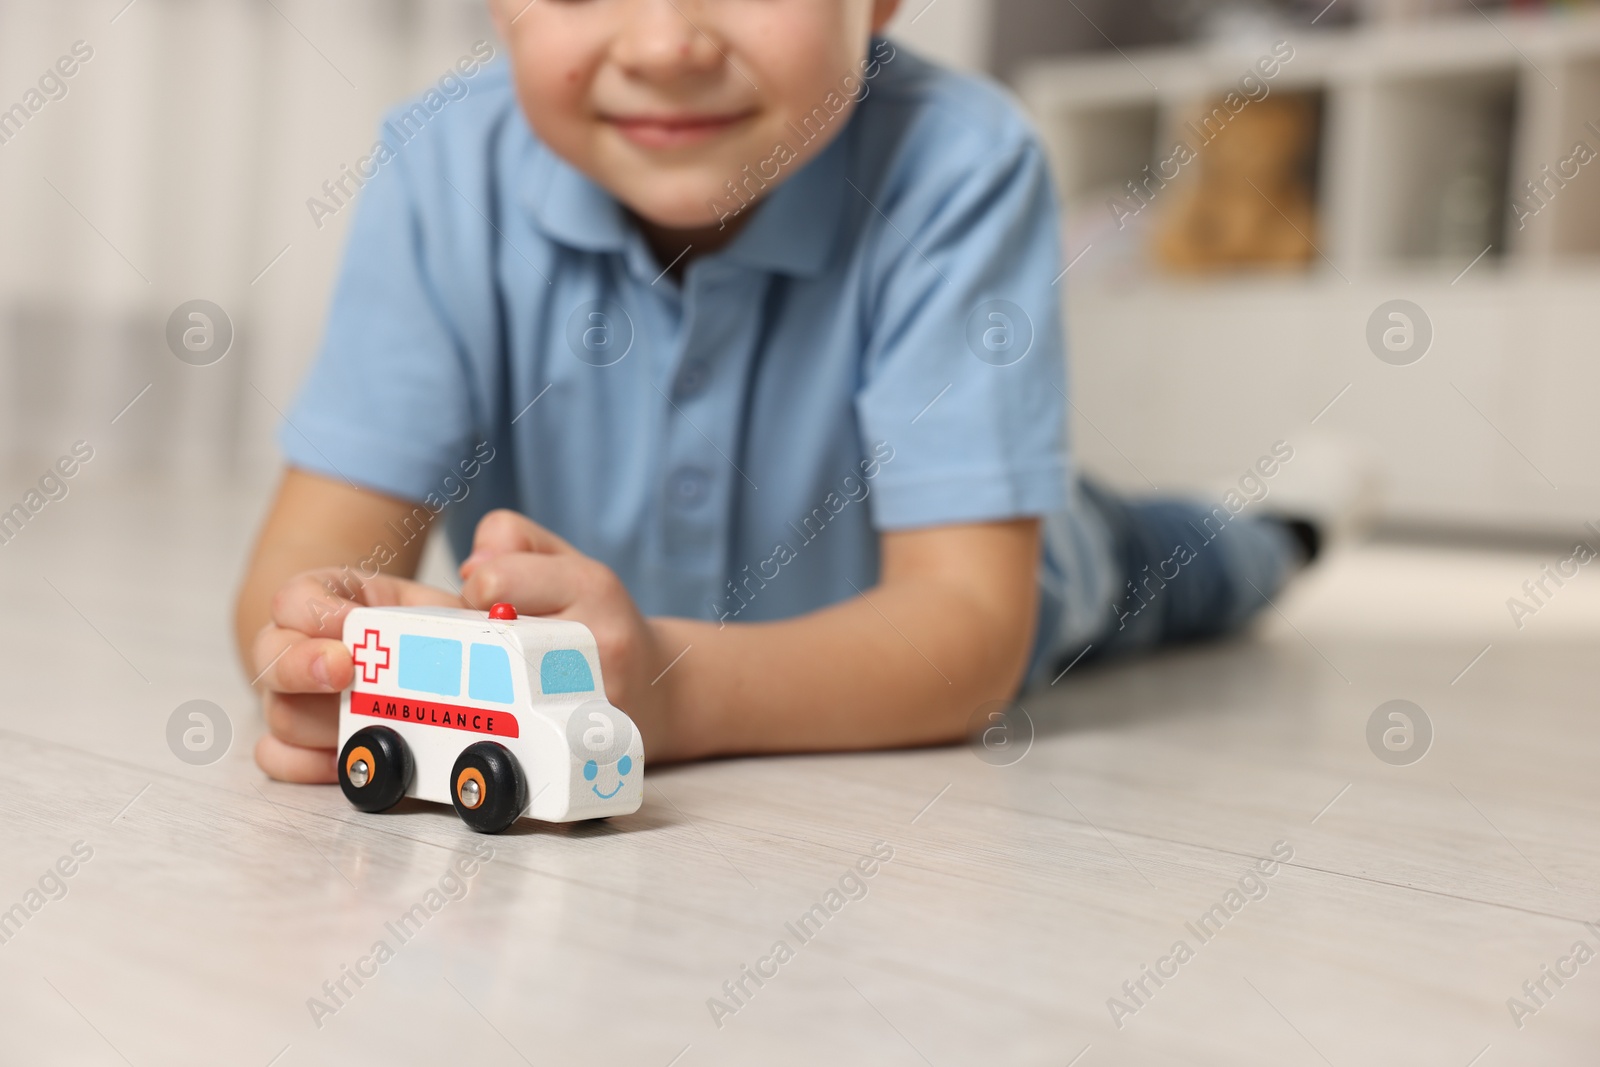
(371, 656)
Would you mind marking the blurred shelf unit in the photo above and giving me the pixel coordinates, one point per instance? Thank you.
(1429, 133)
(1446, 171)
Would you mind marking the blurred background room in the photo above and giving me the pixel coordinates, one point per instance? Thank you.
(1367, 231)
(177, 163)
(1429, 156)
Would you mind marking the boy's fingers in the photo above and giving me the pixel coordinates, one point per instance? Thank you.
(534, 584)
(291, 763)
(305, 720)
(291, 662)
(504, 531)
(316, 602)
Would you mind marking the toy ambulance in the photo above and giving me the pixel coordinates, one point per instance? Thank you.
(500, 716)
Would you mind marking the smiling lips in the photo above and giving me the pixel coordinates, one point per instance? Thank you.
(673, 131)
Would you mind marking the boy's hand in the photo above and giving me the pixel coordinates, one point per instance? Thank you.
(517, 561)
(303, 665)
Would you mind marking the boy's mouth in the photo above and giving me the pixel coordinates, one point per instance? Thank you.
(674, 131)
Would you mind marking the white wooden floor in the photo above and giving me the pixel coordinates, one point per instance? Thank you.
(1017, 902)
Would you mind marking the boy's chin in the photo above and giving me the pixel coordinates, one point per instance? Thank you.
(676, 205)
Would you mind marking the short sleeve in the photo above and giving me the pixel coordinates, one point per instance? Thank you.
(964, 375)
(388, 403)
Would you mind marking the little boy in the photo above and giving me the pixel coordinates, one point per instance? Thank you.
(732, 331)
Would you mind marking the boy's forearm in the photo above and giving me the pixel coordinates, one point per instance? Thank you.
(903, 664)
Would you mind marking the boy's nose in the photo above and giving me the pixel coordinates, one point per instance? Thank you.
(663, 39)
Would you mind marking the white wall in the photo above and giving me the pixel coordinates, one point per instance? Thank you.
(177, 167)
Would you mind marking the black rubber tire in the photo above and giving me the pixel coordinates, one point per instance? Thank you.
(505, 787)
(391, 772)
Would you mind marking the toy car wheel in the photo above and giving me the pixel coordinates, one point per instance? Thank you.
(375, 768)
(487, 787)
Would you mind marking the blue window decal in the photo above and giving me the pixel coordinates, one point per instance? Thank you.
(430, 665)
(489, 675)
(565, 671)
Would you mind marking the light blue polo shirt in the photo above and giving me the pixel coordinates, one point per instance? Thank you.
(880, 349)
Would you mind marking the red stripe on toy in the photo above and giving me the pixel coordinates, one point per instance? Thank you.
(427, 713)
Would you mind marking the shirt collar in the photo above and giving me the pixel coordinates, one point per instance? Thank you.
(792, 231)
(573, 210)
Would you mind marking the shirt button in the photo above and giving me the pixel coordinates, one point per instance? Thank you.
(690, 486)
(692, 378)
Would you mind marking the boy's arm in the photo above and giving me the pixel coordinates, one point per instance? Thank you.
(290, 609)
(948, 627)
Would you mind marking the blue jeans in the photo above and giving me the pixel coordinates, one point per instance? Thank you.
(1185, 571)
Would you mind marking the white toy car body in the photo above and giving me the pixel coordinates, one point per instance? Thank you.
(445, 680)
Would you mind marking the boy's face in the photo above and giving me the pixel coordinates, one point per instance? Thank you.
(663, 102)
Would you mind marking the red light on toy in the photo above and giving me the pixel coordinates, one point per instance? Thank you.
(504, 612)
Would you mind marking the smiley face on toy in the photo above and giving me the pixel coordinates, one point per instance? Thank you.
(591, 771)
(599, 739)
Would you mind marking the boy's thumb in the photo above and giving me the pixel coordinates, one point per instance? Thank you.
(504, 531)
